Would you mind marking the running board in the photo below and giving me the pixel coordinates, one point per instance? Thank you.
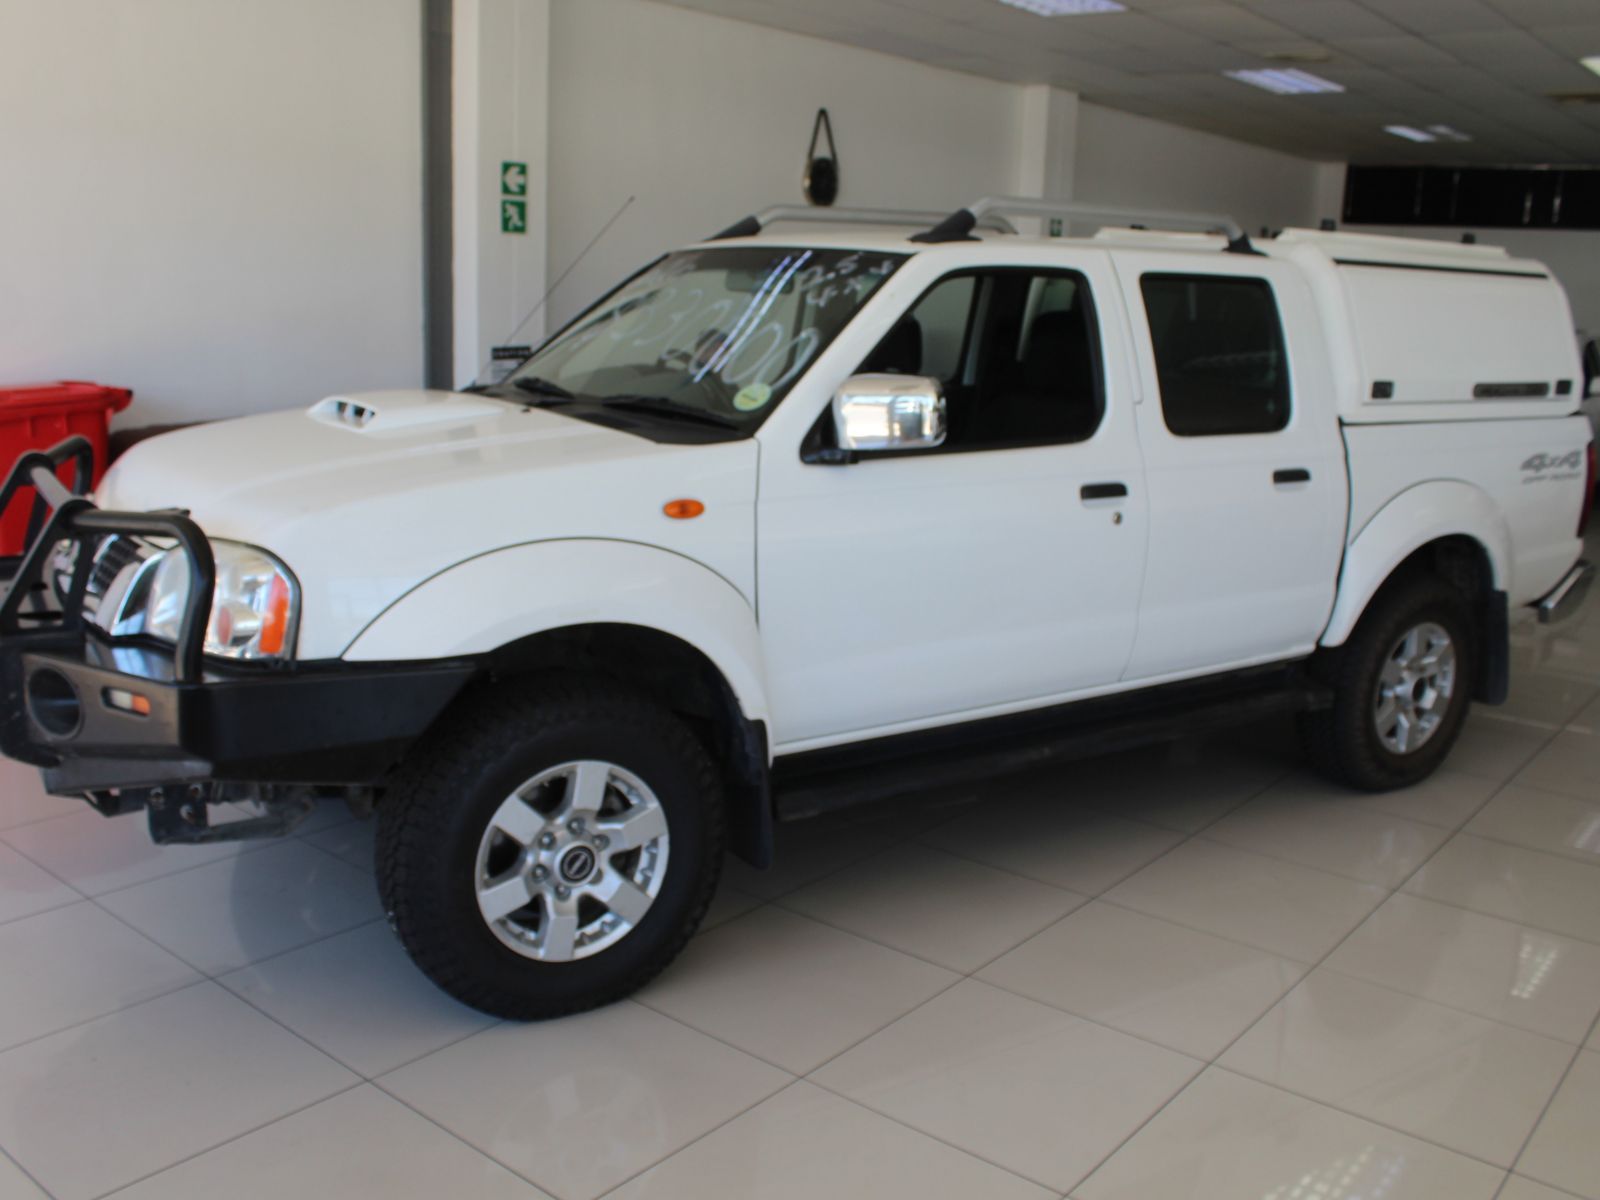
(821, 781)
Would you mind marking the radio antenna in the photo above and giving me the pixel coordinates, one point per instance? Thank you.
(582, 254)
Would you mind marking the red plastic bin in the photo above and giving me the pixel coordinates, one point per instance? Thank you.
(36, 416)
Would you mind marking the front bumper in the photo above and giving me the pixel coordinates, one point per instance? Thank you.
(1568, 595)
(95, 716)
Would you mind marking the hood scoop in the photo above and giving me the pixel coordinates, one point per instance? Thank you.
(377, 413)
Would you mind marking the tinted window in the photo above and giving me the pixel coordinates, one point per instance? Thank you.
(1219, 354)
(1015, 350)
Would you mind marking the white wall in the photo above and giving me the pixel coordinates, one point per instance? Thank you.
(214, 203)
(1134, 160)
(705, 120)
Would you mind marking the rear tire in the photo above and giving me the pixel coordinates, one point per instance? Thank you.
(550, 848)
(1402, 686)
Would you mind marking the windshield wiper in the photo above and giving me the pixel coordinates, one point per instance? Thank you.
(662, 406)
(549, 389)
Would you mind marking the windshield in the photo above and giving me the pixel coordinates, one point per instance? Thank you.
(704, 338)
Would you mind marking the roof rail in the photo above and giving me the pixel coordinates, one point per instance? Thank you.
(958, 226)
(754, 224)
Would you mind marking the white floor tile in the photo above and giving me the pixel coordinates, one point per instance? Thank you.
(15, 1184)
(807, 851)
(98, 854)
(581, 1104)
(1495, 748)
(790, 990)
(75, 963)
(1565, 1150)
(1016, 1083)
(358, 997)
(1569, 765)
(1181, 785)
(1467, 1083)
(243, 909)
(26, 889)
(352, 840)
(1282, 907)
(1055, 842)
(806, 1144)
(23, 799)
(728, 903)
(1526, 886)
(103, 1104)
(359, 1143)
(1565, 825)
(1180, 987)
(1538, 981)
(1546, 696)
(1227, 1138)
(1446, 798)
(1333, 835)
(948, 910)
(1518, 1188)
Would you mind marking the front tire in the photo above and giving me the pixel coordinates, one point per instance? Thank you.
(1402, 686)
(551, 848)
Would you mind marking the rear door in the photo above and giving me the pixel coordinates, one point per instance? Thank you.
(1244, 464)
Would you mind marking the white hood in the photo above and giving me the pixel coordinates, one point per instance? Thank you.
(366, 495)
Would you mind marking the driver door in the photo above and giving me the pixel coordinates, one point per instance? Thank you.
(1002, 569)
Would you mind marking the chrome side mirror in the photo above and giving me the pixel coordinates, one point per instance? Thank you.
(889, 412)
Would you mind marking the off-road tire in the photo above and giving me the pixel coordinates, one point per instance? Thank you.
(432, 818)
(1342, 742)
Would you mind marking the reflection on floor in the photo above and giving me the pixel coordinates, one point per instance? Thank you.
(1193, 972)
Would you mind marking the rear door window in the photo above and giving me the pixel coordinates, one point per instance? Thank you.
(1220, 355)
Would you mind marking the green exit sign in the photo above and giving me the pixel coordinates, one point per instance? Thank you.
(513, 179)
(513, 216)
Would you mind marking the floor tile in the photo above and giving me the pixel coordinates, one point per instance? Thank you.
(728, 903)
(1546, 696)
(1565, 1151)
(15, 1184)
(358, 997)
(106, 1103)
(1493, 748)
(1084, 850)
(948, 910)
(1464, 1082)
(581, 1104)
(1445, 798)
(1569, 765)
(1282, 907)
(1227, 1138)
(353, 841)
(807, 851)
(790, 990)
(233, 913)
(1518, 1188)
(26, 889)
(1180, 987)
(98, 854)
(1526, 886)
(359, 1143)
(1333, 835)
(73, 964)
(23, 799)
(806, 1143)
(1016, 1083)
(1538, 981)
(1181, 785)
(1565, 825)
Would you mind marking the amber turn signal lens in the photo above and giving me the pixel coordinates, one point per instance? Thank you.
(275, 621)
(682, 510)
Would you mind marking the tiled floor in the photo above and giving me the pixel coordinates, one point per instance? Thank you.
(1195, 972)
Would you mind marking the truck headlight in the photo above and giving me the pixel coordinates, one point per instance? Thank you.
(254, 608)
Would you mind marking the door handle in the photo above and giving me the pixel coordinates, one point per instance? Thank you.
(1102, 491)
(1291, 475)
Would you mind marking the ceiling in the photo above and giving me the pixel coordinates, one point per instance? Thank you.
(1484, 67)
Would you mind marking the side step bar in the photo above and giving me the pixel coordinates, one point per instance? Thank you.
(808, 785)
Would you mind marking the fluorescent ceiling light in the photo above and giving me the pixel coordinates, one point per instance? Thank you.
(1410, 133)
(1286, 82)
(1067, 8)
(1592, 62)
(1448, 133)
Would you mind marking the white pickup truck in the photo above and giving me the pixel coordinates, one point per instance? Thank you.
(796, 518)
